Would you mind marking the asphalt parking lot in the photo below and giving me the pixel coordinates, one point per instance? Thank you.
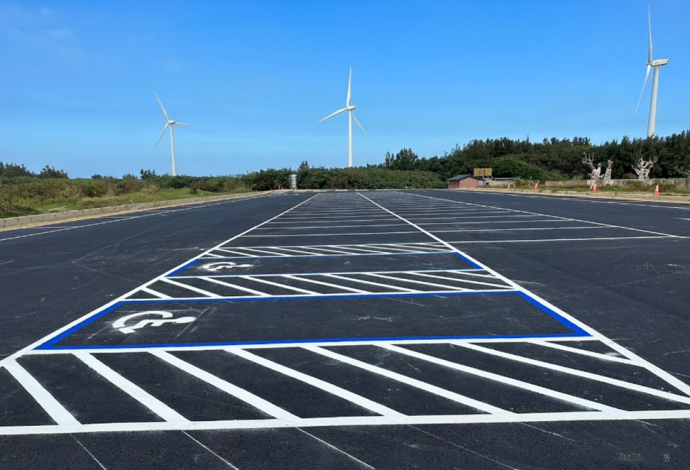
(368, 329)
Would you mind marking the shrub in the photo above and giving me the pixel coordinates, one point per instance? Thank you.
(91, 188)
(129, 184)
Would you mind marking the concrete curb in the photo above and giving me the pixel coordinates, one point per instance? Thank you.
(603, 195)
(87, 213)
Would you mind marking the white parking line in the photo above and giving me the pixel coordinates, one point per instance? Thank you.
(557, 217)
(51, 406)
(133, 390)
(456, 397)
(318, 383)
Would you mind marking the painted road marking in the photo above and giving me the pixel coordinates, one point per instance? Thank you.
(569, 370)
(328, 387)
(557, 217)
(122, 326)
(456, 280)
(263, 405)
(507, 380)
(540, 240)
(410, 381)
(133, 390)
(224, 265)
(659, 205)
(413, 284)
(325, 250)
(54, 409)
(327, 319)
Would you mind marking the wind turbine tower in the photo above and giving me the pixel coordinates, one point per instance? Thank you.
(169, 123)
(351, 110)
(655, 81)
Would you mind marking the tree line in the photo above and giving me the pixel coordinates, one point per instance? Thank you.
(552, 159)
(12, 170)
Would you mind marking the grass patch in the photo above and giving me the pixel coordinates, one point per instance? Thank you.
(30, 196)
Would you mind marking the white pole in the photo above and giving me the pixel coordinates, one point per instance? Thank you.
(349, 160)
(651, 127)
(172, 149)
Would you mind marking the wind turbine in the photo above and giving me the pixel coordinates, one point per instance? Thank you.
(169, 123)
(655, 81)
(351, 110)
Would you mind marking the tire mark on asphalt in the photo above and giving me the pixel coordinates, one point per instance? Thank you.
(478, 454)
(350, 456)
(88, 452)
(219, 457)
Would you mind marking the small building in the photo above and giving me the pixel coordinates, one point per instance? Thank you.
(462, 181)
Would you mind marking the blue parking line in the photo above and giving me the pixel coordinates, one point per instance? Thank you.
(187, 265)
(555, 336)
(577, 331)
(66, 333)
(467, 260)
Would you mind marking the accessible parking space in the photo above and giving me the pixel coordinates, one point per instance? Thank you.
(322, 319)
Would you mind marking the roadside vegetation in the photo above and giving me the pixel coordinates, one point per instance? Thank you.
(632, 186)
(23, 192)
(26, 195)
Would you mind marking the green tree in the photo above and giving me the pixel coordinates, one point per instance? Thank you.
(50, 172)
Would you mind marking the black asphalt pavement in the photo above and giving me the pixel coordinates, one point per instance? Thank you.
(373, 329)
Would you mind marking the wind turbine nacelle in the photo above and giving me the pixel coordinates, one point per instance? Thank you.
(171, 122)
(351, 108)
(659, 62)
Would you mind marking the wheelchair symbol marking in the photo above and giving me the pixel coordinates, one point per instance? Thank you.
(224, 265)
(166, 317)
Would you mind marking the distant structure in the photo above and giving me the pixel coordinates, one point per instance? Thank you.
(483, 172)
(462, 181)
(651, 126)
(351, 110)
(169, 123)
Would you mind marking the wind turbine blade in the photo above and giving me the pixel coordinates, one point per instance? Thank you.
(360, 126)
(334, 114)
(649, 67)
(182, 124)
(159, 102)
(649, 13)
(349, 89)
(159, 139)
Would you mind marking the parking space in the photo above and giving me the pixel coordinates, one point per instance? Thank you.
(349, 309)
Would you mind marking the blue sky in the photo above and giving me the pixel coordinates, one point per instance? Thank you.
(254, 78)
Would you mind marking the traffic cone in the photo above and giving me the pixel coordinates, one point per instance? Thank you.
(536, 186)
(656, 190)
(594, 188)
